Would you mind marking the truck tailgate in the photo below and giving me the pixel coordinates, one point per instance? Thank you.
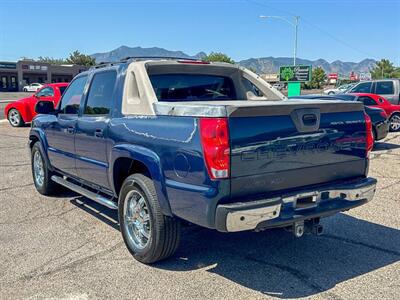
(295, 144)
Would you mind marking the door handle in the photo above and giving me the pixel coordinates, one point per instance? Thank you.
(71, 130)
(98, 133)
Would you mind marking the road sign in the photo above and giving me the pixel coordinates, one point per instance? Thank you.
(295, 73)
(333, 76)
(365, 76)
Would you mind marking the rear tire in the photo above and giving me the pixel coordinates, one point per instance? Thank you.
(149, 235)
(394, 122)
(331, 93)
(15, 118)
(41, 173)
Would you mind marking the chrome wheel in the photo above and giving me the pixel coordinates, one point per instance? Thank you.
(395, 123)
(38, 169)
(14, 117)
(137, 219)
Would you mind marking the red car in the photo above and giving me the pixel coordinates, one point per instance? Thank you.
(22, 111)
(392, 110)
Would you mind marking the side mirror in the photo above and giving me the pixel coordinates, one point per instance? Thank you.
(45, 107)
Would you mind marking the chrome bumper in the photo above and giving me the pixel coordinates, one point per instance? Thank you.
(286, 209)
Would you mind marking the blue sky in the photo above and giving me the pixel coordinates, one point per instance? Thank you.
(349, 30)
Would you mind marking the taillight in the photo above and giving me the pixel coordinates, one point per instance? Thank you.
(369, 140)
(215, 141)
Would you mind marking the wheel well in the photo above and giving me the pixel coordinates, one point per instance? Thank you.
(32, 140)
(123, 167)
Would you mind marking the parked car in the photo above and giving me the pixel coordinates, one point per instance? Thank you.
(33, 87)
(379, 118)
(392, 110)
(22, 111)
(279, 86)
(167, 140)
(388, 88)
(338, 90)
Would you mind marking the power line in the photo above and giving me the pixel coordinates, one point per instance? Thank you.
(325, 32)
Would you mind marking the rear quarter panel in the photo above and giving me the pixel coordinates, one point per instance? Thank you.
(183, 180)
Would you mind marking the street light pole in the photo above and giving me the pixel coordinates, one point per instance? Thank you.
(295, 24)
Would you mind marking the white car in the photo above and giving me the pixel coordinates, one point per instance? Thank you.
(279, 86)
(33, 87)
(339, 90)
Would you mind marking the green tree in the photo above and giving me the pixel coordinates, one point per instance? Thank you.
(384, 69)
(218, 57)
(318, 78)
(78, 58)
(52, 60)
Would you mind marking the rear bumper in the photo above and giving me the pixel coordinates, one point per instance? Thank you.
(382, 130)
(287, 209)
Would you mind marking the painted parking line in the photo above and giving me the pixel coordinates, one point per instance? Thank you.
(6, 101)
(3, 121)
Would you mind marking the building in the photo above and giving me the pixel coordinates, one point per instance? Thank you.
(15, 75)
(271, 78)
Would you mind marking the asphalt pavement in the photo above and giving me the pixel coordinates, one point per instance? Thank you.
(68, 247)
(7, 97)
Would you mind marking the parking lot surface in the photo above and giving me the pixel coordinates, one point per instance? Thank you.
(7, 97)
(68, 247)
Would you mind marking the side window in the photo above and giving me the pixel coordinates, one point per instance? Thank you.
(100, 94)
(364, 87)
(46, 92)
(250, 87)
(381, 100)
(384, 88)
(72, 96)
(367, 100)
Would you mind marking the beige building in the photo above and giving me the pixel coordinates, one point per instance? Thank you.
(15, 75)
(271, 78)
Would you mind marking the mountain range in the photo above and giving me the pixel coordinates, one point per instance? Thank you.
(261, 65)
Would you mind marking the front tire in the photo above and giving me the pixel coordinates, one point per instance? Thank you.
(331, 93)
(394, 122)
(149, 235)
(41, 173)
(15, 118)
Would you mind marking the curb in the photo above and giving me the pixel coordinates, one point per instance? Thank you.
(3, 121)
(6, 101)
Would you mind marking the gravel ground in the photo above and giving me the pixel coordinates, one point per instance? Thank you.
(68, 247)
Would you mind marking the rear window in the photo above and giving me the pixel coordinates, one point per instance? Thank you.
(192, 87)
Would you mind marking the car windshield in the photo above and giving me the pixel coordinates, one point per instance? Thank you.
(192, 87)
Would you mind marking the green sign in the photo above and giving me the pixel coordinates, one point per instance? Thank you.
(295, 73)
(294, 89)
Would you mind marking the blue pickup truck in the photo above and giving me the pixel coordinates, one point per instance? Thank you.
(166, 140)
